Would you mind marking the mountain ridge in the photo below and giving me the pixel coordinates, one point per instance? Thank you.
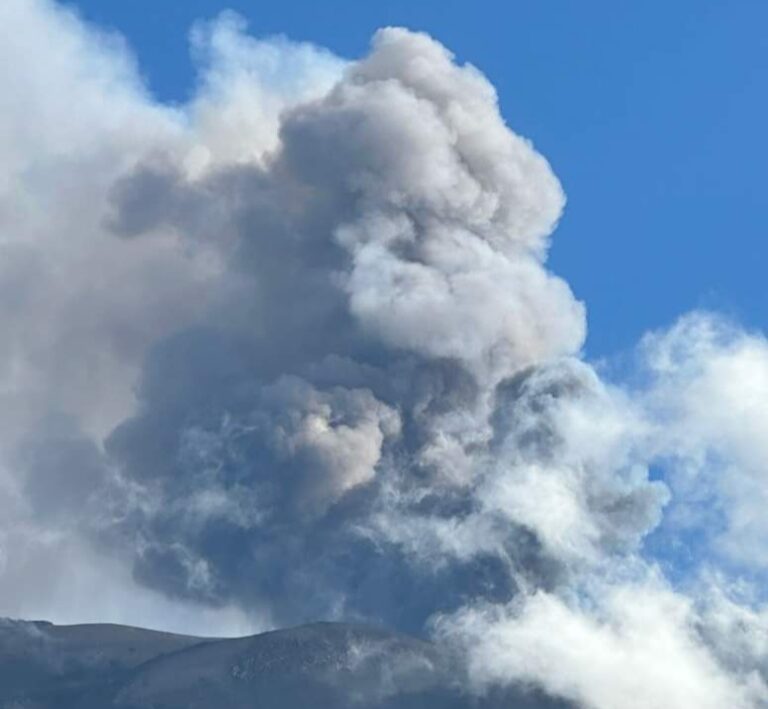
(333, 665)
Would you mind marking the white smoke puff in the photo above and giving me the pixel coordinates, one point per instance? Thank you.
(633, 646)
(77, 314)
(570, 462)
(246, 84)
(734, 623)
(708, 394)
(519, 314)
(85, 104)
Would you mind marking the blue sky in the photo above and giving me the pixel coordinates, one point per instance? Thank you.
(653, 115)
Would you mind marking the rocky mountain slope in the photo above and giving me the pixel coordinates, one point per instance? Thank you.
(329, 665)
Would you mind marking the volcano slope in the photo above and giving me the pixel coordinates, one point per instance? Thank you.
(330, 665)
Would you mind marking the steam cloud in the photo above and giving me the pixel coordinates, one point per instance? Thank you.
(291, 351)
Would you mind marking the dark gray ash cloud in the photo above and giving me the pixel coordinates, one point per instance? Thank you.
(382, 273)
(291, 351)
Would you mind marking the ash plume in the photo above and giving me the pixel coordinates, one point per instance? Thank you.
(291, 351)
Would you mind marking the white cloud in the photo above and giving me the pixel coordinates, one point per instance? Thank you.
(633, 646)
(708, 398)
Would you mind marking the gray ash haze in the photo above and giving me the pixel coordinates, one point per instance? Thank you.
(291, 351)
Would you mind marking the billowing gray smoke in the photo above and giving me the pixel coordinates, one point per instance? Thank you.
(291, 352)
(382, 272)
